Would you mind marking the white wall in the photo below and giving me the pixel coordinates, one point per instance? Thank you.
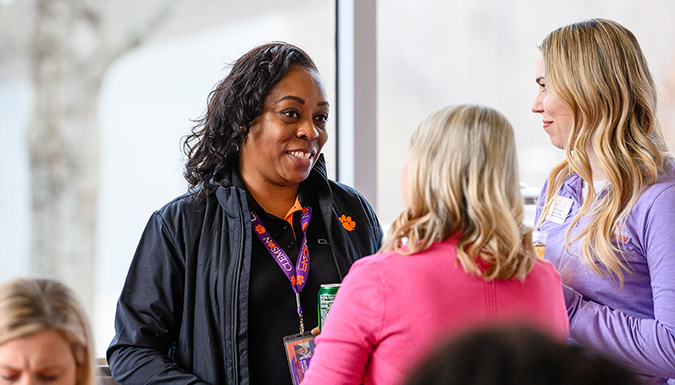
(433, 53)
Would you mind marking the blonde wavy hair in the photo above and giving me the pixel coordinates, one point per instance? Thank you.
(29, 305)
(463, 175)
(596, 67)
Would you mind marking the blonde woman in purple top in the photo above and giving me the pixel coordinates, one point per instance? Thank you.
(609, 207)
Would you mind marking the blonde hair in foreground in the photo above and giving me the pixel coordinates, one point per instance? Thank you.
(597, 68)
(463, 177)
(29, 306)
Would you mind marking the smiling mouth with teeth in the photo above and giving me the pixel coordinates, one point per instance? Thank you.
(301, 154)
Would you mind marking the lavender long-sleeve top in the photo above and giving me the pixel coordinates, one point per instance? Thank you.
(634, 325)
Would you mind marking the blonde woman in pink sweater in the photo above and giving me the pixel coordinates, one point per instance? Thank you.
(457, 258)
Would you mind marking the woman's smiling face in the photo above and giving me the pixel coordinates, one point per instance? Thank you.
(556, 116)
(285, 141)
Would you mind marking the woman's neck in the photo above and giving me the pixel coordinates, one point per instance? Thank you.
(596, 167)
(276, 200)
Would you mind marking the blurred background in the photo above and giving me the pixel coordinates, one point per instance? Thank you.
(95, 97)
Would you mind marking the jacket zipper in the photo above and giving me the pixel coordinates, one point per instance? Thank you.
(235, 306)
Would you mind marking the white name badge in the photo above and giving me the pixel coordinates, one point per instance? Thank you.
(561, 210)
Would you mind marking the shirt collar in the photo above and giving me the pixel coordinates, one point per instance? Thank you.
(303, 196)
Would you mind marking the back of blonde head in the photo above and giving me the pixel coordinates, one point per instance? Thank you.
(597, 68)
(464, 183)
(29, 306)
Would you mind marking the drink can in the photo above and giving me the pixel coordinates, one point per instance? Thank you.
(327, 294)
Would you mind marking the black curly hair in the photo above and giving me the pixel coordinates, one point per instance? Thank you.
(234, 103)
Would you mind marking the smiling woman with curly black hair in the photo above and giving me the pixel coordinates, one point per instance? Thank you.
(222, 274)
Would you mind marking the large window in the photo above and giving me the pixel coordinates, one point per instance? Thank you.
(148, 99)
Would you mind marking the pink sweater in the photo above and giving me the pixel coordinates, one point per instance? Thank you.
(392, 309)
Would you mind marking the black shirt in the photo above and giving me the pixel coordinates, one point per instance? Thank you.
(272, 307)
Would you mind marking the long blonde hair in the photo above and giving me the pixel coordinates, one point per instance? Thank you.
(463, 177)
(30, 305)
(597, 68)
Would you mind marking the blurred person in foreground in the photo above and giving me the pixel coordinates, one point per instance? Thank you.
(609, 206)
(44, 335)
(516, 355)
(456, 258)
(222, 274)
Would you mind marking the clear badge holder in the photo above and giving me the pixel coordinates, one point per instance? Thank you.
(299, 349)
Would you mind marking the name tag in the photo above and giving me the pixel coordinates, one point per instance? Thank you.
(561, 210)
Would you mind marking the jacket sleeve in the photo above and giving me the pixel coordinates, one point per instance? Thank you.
(148, 313)
(644, 345)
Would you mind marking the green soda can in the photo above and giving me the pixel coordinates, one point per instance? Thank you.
(327, 294)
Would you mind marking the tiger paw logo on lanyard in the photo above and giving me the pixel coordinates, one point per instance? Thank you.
(347, 223)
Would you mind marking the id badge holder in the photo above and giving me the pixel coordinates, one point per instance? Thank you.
(299, 349)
